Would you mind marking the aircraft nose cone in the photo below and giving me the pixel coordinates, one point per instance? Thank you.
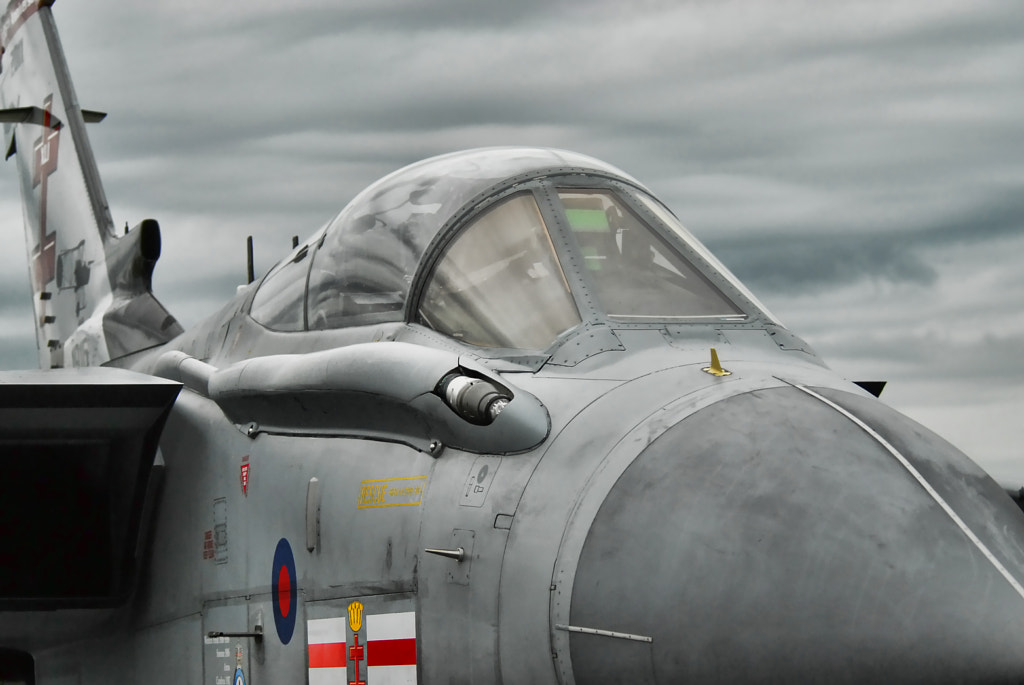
(769, 537)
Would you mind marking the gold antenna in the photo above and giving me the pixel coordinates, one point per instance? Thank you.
(716, 367)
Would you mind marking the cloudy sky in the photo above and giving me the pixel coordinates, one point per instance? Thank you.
(860, 165)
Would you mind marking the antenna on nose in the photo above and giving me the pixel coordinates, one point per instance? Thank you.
(716, 366)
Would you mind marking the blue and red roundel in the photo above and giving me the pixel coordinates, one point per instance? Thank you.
(284, 591)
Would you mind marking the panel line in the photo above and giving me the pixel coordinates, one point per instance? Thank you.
(924, 484)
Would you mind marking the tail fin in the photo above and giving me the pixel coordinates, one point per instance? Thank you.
(74, 255)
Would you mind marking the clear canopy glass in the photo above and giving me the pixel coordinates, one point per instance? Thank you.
(636, 273)
(278, 303)
(363, 270)
(673, 224)
(488, 271)
(499, 283)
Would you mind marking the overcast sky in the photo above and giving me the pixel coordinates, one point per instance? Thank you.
(860, 165)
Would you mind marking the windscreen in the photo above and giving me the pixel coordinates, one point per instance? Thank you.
(499, 283)
(278, 302)
(636, 273)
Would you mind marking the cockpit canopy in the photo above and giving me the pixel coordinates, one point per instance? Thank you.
(501, 248)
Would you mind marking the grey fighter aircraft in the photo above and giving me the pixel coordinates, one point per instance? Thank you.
(503, 420)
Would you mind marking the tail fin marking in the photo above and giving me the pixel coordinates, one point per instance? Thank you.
(68, 229)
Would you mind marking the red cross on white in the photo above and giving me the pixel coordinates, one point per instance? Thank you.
(389, 650)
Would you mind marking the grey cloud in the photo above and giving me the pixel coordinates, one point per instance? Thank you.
(993, 359)
(843, 254)
(18, 352)
(803, 264)
(994, 214)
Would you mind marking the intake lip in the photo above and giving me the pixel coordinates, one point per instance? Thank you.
(771, 537)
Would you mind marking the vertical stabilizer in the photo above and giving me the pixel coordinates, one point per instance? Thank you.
(69, 232)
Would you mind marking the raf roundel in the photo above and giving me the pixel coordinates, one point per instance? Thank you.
(284, 591)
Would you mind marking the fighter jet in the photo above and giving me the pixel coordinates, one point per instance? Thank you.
(502, 420)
